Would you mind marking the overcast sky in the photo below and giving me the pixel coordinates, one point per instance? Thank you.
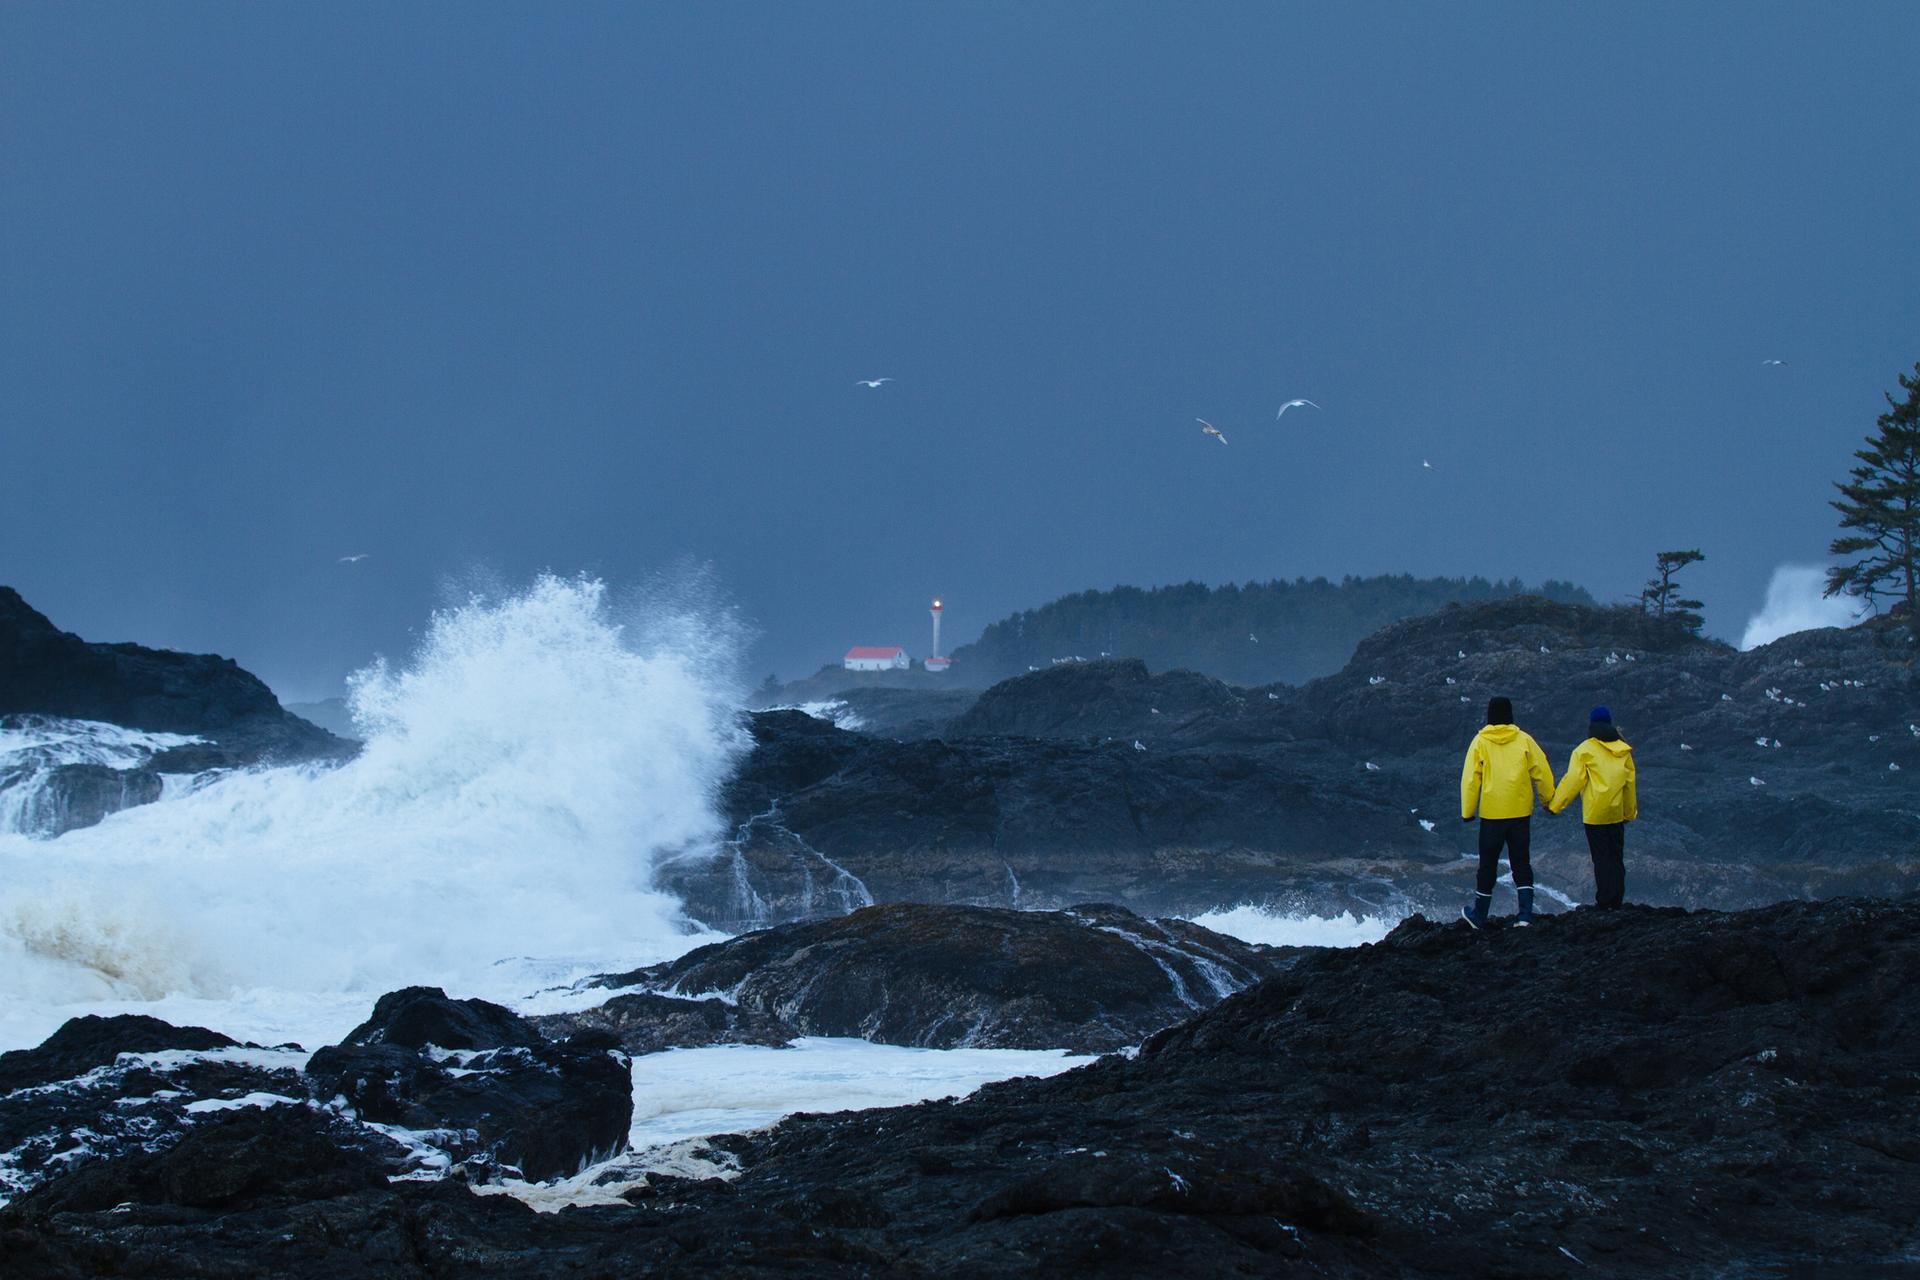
(584, 287)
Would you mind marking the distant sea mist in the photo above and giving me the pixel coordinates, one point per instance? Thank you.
(1796, 601)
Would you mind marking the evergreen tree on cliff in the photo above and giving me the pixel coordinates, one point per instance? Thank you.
(1661, 596)
(1881, 504)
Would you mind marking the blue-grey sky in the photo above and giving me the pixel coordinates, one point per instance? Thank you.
(586, 286)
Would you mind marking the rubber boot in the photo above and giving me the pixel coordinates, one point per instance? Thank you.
(1475, 913)
(1526, 906)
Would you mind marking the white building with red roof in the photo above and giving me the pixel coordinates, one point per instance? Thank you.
(865, 657)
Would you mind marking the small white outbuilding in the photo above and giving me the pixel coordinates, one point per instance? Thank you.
(863, 657)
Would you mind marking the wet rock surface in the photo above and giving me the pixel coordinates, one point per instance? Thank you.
(827, 821)
(647, 1022)
(501, 1100)
(103, 1087)
(483, 1083)
(1173, 794)
(81, 1044)
(1091, 979)
(1636, 1093)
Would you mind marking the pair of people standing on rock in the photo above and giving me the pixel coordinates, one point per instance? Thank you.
(1505, 768)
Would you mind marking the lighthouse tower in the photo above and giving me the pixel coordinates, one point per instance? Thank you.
(934, 661)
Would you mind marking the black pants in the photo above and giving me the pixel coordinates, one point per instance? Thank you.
(1608, 843)
(1516, 835)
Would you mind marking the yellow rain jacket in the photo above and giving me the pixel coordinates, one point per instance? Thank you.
(1601, 774)
(1503, 770)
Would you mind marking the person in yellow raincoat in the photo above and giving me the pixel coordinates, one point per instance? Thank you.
(1504, 769)
(1601, 773)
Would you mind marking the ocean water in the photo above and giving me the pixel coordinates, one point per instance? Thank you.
(683, 1096)
(524, 772)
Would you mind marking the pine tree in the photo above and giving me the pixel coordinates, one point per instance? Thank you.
(1882, 503)
(1661, 596)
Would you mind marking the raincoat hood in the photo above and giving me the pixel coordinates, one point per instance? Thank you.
(1503, 771)
(1601, 773)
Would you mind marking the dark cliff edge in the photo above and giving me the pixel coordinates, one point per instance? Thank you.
(1641, 1093)
(45, 671)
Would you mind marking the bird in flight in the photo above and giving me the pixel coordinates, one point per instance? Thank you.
(872, 383)
(1766, 363)
(1211, 430)
(1294, 404)
(1425, 465)
(353, 559)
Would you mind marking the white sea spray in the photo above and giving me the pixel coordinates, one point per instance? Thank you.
(523, 771)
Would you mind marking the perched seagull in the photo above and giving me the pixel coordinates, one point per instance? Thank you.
(1294, 404)
(1776, 363)
(353, 559)
(871, 383)
(1211, 430)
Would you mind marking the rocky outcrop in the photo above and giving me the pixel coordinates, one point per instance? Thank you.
(72, 796)
(491, 1091)
(236, 1161)
(1108, 698)
(1641, 1093)
(83, 1043)
(46, 671)
(99, 1088)
(828, 821)
(648, 1022)
(51, 675)
(1092, 979)
(1175, 794)
(425, 1086)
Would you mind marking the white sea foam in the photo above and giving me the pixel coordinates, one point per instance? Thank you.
(1284, 929)
(522, 773)
(684, 1095)
(834, 711)
(33, 747)
(687, 1093)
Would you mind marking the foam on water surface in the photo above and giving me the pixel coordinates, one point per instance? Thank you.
(684, 1096)
(1287, 929)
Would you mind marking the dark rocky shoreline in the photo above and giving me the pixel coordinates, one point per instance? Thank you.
(1783, 772)
(1644, 1092)
(1174, 794)
(429, 1085)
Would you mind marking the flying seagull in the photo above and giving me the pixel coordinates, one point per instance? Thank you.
(1765, 363)
(873, 383)
(1211, 430)
(1425, 465)
(1293, 404)
(353, 559)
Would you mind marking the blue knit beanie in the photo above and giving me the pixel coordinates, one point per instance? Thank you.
(1598, 714)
